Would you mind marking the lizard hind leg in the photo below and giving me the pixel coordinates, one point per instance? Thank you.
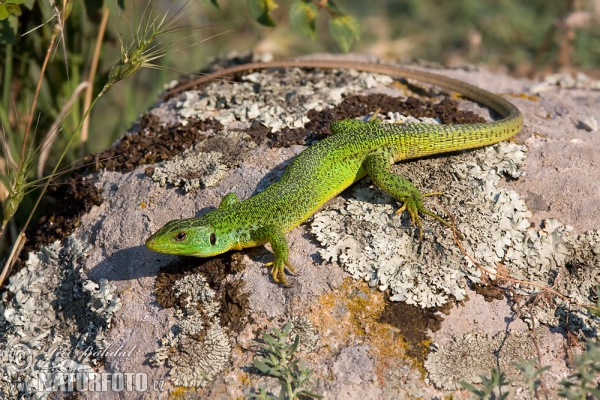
(377, 165)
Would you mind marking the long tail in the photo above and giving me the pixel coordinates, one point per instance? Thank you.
(465, 136)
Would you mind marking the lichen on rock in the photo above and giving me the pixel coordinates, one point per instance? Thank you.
(295, 93)
(61, 317)
(191, 169)
(308, 337)
(201, 349)
(372, 244)
(468, 357)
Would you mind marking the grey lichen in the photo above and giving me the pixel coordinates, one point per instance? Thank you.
(275, 101)
(567, 81)
(468, 357)
(308, 336)
(372, 244)
(58, 314)
(201, 349)
(571, 265)
(191, 169)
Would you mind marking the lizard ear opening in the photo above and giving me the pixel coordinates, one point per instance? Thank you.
(212, 239)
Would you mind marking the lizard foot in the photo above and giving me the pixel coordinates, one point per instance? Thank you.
(278, 270)
(414, 205)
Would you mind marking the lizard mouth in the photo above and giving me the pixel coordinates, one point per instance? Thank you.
(155, 245)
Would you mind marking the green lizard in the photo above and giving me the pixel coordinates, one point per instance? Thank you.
(325, 169)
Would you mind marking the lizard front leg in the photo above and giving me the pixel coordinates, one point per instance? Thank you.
(274, 235)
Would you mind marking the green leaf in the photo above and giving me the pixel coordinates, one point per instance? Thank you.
(309, 394)
(3, 12)
(293, 364)
(303, 17)
(260, 9)
(472, 389)
(294, 346)
(13, 9)
(344, 29)
(286, 328)
(8, 30)
(262, 367)
(28, 4)
(333, 8)
(269, 339)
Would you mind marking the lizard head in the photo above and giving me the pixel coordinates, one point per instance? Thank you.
(189, 237)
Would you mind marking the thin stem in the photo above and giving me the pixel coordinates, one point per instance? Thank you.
(14, 254)
(37, 92)
(18, 246)
(7, 75)
(62, 156)
(90, 89)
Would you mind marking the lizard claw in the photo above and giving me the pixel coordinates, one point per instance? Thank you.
(278, 270)
(414, 205)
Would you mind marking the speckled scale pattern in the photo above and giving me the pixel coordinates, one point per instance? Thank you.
(325, 169)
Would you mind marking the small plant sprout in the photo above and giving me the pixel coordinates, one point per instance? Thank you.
(278, 362)
(497, 380)
(531, 375)
(583, 381)
(595, 311)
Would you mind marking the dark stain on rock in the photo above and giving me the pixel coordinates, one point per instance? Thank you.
(359, 105)
(229, 292)
(152, 143)
(413, 323)
(490, 292)
(65, 203)
(258, 132)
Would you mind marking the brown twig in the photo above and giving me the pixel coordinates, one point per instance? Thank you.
(536, 343)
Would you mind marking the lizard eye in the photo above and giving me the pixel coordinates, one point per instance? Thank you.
(212, 239)
(180, 236)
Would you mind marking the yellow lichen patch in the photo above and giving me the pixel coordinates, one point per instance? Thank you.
(525, 96)
(350, 315)
(401, 86)
(180, 393)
